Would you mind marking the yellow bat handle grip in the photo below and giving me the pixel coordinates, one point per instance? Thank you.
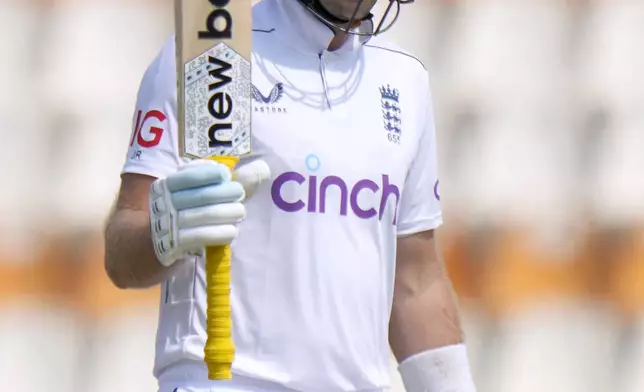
(220, 348)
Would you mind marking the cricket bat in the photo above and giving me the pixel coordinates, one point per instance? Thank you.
(213, 47)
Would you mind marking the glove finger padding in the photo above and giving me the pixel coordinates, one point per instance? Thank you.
(195, 238)
(227, 192)
(161, 226)
(198, 174)
(164, 247)
(192, 240)
(217, 214)
(158, 205)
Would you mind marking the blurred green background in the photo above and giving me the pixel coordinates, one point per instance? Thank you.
(540, 113)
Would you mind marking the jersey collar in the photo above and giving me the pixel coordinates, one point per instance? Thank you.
(301, 29)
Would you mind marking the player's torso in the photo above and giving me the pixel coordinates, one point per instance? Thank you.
(315, 257)
(313, 265)
(339, 132)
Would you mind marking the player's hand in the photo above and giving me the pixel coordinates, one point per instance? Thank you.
(200, 205)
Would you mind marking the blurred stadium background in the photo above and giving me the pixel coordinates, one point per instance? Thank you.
(540, 110)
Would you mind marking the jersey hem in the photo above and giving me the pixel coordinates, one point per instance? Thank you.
(191, 374)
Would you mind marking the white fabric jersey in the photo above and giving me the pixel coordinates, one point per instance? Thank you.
(349, 137)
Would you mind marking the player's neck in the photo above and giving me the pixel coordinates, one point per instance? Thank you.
(340, 38)
(337, 41)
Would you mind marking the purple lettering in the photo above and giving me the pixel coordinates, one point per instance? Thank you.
(387, 190)
(313, 185)
(315, 201)
(360, 185)
(327, 182)
(276, 193)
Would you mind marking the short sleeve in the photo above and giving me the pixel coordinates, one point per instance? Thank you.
(420, 207)
(153, 148)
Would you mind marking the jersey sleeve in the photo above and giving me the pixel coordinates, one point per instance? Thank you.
(420, 207)
(153, 148)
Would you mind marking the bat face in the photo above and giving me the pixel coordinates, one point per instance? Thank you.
(213, 41)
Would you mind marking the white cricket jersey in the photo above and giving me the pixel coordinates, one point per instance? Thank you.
(349, 137)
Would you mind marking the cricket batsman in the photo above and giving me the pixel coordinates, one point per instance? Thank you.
(334, 254)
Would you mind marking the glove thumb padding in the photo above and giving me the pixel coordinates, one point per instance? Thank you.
(251, 175)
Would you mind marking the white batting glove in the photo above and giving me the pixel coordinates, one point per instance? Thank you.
(199, 206)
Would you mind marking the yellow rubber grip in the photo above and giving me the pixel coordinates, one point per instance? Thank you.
(220, 348)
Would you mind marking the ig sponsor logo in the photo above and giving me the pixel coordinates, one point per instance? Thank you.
(146, 134)
(311, 193)
(148, 131)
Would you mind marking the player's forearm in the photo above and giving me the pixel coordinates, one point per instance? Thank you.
(130, 260)
(425, 316)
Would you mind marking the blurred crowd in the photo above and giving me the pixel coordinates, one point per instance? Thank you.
(540, 118)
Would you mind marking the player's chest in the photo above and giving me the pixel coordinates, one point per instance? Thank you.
(334, 123)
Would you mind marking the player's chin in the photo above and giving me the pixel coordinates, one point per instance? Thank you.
(345, 9)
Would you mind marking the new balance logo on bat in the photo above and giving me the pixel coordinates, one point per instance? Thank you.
(221, 106)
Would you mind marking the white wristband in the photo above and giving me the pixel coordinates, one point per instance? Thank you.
(445, 369)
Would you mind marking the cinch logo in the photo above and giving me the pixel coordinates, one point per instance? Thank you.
(315, 191)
